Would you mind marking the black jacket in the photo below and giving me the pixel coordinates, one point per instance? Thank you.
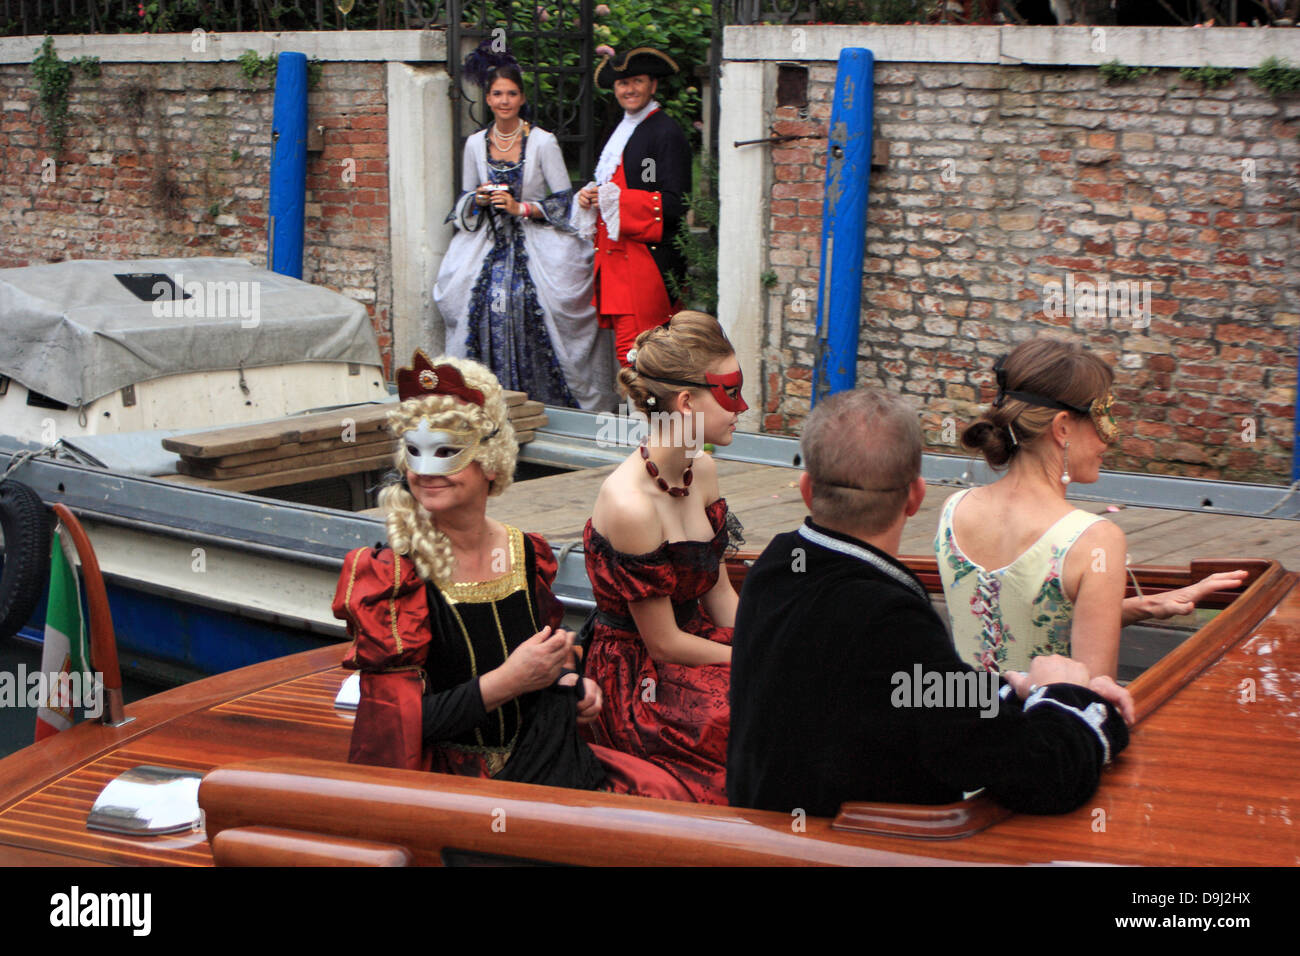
(821, 716)
(660, 140)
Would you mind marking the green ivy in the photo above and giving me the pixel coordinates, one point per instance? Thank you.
(1115, 72)
(768, 278)
(1276, 76)
(255, 67)
(682, 31)
(53, 81)
(1211, 77)
(699, 244)
(874, 11)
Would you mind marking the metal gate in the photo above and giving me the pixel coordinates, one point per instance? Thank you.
(556, 55)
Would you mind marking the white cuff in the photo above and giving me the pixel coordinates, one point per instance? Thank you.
(608, 198)
(583, 221)
(1094, 715)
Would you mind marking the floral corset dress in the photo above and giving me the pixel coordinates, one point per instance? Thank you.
(1002, 619)
(507, 328)
(675, 716)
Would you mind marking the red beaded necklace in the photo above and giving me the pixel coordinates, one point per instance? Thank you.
(653, 470)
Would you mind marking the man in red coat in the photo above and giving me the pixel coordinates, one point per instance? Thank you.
(639, 196)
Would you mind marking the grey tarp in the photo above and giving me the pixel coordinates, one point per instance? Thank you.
(73, 332)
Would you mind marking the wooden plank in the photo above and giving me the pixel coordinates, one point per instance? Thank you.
(290, 449)
(514, 398)
(219, 442)
(340, 453)
(531, 423)
(315, 473)
(526, 409)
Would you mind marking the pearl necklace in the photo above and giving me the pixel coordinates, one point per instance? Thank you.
(653, 471)
(506, 141)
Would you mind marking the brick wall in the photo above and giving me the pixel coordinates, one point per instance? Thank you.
(1001, 180)
(173, 160)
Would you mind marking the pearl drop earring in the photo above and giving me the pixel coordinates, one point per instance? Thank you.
(1065, 469)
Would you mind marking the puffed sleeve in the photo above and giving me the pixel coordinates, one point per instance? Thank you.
(545, 567)
(382, 599)
(626, 576)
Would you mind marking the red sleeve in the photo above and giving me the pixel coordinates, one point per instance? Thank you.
(549, 609)
(382, 599)
(640, 215)
(619, 577)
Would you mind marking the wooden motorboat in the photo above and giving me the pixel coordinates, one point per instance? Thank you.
(1208, 778)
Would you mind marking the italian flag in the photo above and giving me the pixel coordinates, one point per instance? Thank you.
(65, 644)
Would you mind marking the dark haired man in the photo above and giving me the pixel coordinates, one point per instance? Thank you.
(639, 196)
(844, 682)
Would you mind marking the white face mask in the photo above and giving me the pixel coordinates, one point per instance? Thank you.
(430, 452)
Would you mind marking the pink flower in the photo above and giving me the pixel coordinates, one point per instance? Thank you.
(602, 10)
(604, 50)
(140, 10)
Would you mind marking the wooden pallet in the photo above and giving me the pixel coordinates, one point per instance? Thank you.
(305, 448)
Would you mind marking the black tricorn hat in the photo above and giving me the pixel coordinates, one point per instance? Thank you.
(642, 61)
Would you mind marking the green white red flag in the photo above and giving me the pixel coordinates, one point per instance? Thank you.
(65, 652)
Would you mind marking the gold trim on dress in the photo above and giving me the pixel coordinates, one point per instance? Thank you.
(473, 662)
(477, 592)
(392, 599)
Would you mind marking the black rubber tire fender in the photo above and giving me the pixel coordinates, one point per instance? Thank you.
(27, 527)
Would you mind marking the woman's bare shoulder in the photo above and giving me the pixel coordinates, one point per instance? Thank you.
(706, 477)
(625, 515)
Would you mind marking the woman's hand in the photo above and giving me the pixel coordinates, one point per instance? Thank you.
(590, 703)
(1048, 669)
(1182, 601)
(502, 201)
(1119, 697)
(1055, 669)
(534, 664)
(482, 194)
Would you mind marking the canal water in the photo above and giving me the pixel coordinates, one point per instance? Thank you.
(18, 723)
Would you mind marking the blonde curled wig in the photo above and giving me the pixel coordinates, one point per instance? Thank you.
(411, 529)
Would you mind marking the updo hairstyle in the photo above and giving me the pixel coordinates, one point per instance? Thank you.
(1048, 367)
(683, 349)
(506, 71)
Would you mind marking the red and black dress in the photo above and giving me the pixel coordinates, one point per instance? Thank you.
(421, 649)
(673, 715)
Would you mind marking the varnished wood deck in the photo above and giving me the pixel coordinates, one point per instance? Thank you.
(766, 499)
(1208, 779)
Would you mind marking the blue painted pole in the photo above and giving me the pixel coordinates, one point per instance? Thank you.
(288, 166)
(844, 224)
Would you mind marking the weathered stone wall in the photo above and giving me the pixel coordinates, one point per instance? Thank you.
(1003, 179)
(173, 160)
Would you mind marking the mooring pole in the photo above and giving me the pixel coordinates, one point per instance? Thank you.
(844, 224)
(288, 167)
